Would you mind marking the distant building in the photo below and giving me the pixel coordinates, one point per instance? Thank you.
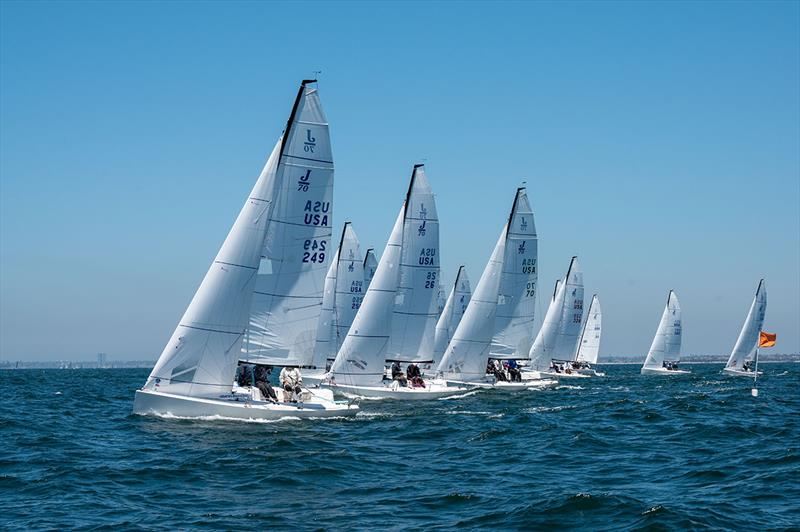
(102, 360)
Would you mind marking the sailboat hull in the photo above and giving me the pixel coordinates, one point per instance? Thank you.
(740, 372)
(506, 385)
(149, 402)
(664, 371)
(432, 391)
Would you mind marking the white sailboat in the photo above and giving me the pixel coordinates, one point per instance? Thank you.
(507, 284)
(740, 361)
(589, 341)
(664, 354)
(194, 374)
(555, 347)
(454, 307)
(344, 291)
(358, 369)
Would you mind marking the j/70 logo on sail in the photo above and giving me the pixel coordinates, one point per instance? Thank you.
(302, 184)
(310, 142)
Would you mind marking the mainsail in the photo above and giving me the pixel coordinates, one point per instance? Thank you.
(517, 298)
(370, 265)
(589, 342)
(748, 337)
(454, 308)
(289, 286)
(543, 348)
(667, 342)
(415, 308)
(344, 290)
(360, 360)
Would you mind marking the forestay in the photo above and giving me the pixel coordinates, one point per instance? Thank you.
(360, 360)
(415, 309)
(289, 286)
(748, 337)
(454, 307)
(667, 342)
(589, 343)
(517, 297)
(200, 358)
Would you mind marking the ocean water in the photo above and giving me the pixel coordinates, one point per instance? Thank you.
(615, 453)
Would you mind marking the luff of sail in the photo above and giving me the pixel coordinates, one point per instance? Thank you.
(589, 342)
(200, 358)
(415, 308)
(517, 298)
(289, 287)
(667, 341)
(454, 308)
(748, 337)
(360, 360)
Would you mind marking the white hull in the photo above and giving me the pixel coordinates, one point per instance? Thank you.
(431, 391)
(562, 375)
(664, 371)
(740, 372)
(149, 402)
(591, 372)
(505, 385)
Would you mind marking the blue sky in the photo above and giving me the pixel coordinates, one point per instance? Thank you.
(660, 142)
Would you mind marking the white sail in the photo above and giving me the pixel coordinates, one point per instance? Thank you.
(467, 354)
(297, 247)
(454, 308)
(370, 265)
(415, 309)
(667, 342)
(200, 358)
(543, 349)
(589, 343)
(344, 290)
(748, 337)
(571, 313)
(349, 285)
(360, 360)
(323, 347)
(517, 298)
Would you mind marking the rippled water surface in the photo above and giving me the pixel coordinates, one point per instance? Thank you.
(621, 452)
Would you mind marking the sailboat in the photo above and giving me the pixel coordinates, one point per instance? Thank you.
(589, 341)
(498, 318)
(393, 321)
(344, 291)
(743, 352)
(555, 348)
(454, 307)
(662, 359)
(194, 376)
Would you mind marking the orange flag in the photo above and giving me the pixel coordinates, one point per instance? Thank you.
(766, 339)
